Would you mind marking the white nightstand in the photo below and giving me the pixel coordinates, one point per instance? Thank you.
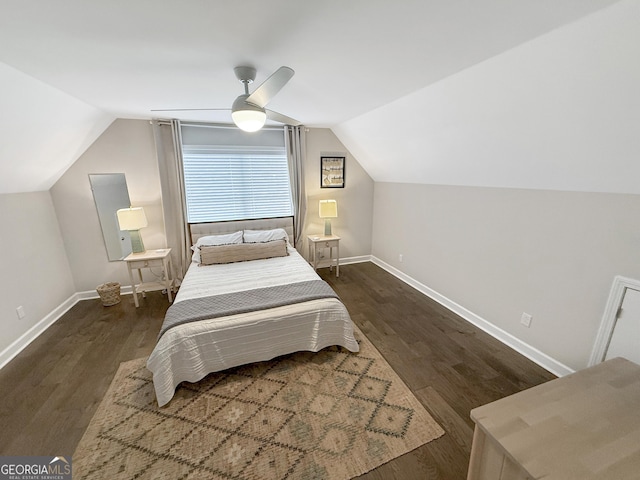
(317, 244)
(151, 259)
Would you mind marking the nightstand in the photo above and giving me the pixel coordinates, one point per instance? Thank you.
(151, 259)
(317, 244)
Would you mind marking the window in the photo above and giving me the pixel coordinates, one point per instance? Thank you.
(235, 181)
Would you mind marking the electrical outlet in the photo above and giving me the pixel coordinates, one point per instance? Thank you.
(20, 311)
(400, 258)
(526, 319)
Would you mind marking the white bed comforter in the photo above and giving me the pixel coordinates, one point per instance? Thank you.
(191, 351)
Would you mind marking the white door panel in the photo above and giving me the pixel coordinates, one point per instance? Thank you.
(625, 340)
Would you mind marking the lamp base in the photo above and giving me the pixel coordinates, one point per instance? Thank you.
(327, 227)
(137, 246)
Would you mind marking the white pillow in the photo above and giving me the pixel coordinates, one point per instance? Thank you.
(261, 236)
(227, 239)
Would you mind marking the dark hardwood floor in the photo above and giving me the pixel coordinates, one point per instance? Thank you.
(51, 390)
(450, 365)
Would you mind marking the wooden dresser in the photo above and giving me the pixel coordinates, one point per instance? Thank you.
(583, 426)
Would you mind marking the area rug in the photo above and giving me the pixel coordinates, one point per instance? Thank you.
(327, 415)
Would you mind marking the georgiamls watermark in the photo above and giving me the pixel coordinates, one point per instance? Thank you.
(35, 468)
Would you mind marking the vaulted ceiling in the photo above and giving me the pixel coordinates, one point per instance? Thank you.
(432, 91)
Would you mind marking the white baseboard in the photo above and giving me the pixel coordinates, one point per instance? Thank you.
(360, 259)
(30, 335)
(89, 294)
(533, 354)
(528, 351)
(34, 332)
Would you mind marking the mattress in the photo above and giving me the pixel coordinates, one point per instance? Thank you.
(191, 351)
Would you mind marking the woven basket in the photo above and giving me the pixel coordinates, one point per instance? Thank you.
(109, 293)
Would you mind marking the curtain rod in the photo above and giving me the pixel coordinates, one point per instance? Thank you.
(211, 125)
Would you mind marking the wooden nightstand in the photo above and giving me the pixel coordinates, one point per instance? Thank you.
(317, 244)
(151, 259)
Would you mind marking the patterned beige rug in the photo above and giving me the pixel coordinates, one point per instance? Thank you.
(327, 415)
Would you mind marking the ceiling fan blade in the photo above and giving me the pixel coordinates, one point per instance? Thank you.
(186, 109)
(270, 87)
(278, 117)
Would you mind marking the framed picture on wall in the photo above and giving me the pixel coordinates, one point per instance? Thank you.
(332, 172)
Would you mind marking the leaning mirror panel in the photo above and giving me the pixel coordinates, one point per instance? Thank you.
(110, 194)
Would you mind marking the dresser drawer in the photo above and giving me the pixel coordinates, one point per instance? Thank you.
(326, 244)
(157, 262)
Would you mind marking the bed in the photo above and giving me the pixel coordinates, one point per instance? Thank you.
(214, 323)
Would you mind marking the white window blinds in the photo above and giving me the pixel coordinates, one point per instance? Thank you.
(236, 182)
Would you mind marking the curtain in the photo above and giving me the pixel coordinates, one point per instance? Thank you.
(295, 145)
(167, 137)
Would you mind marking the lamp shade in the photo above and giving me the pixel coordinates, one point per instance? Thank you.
(131, 218)
(247, 117)
(328, 209)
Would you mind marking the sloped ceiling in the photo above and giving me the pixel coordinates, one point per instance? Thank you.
(42, 131)
(561, 112)
(379, 73)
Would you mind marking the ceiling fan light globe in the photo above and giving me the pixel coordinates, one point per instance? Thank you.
(249, 120)
(247, 117)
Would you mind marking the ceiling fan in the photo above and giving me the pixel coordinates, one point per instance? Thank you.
(247, 111)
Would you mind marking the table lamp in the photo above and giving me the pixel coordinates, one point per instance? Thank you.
(328, 210)
(133, 219)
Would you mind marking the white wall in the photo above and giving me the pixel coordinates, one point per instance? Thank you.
(36, 274)
(127, 147)
(560, 112)
(501, 252)
(355, 200)
(556, 115)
